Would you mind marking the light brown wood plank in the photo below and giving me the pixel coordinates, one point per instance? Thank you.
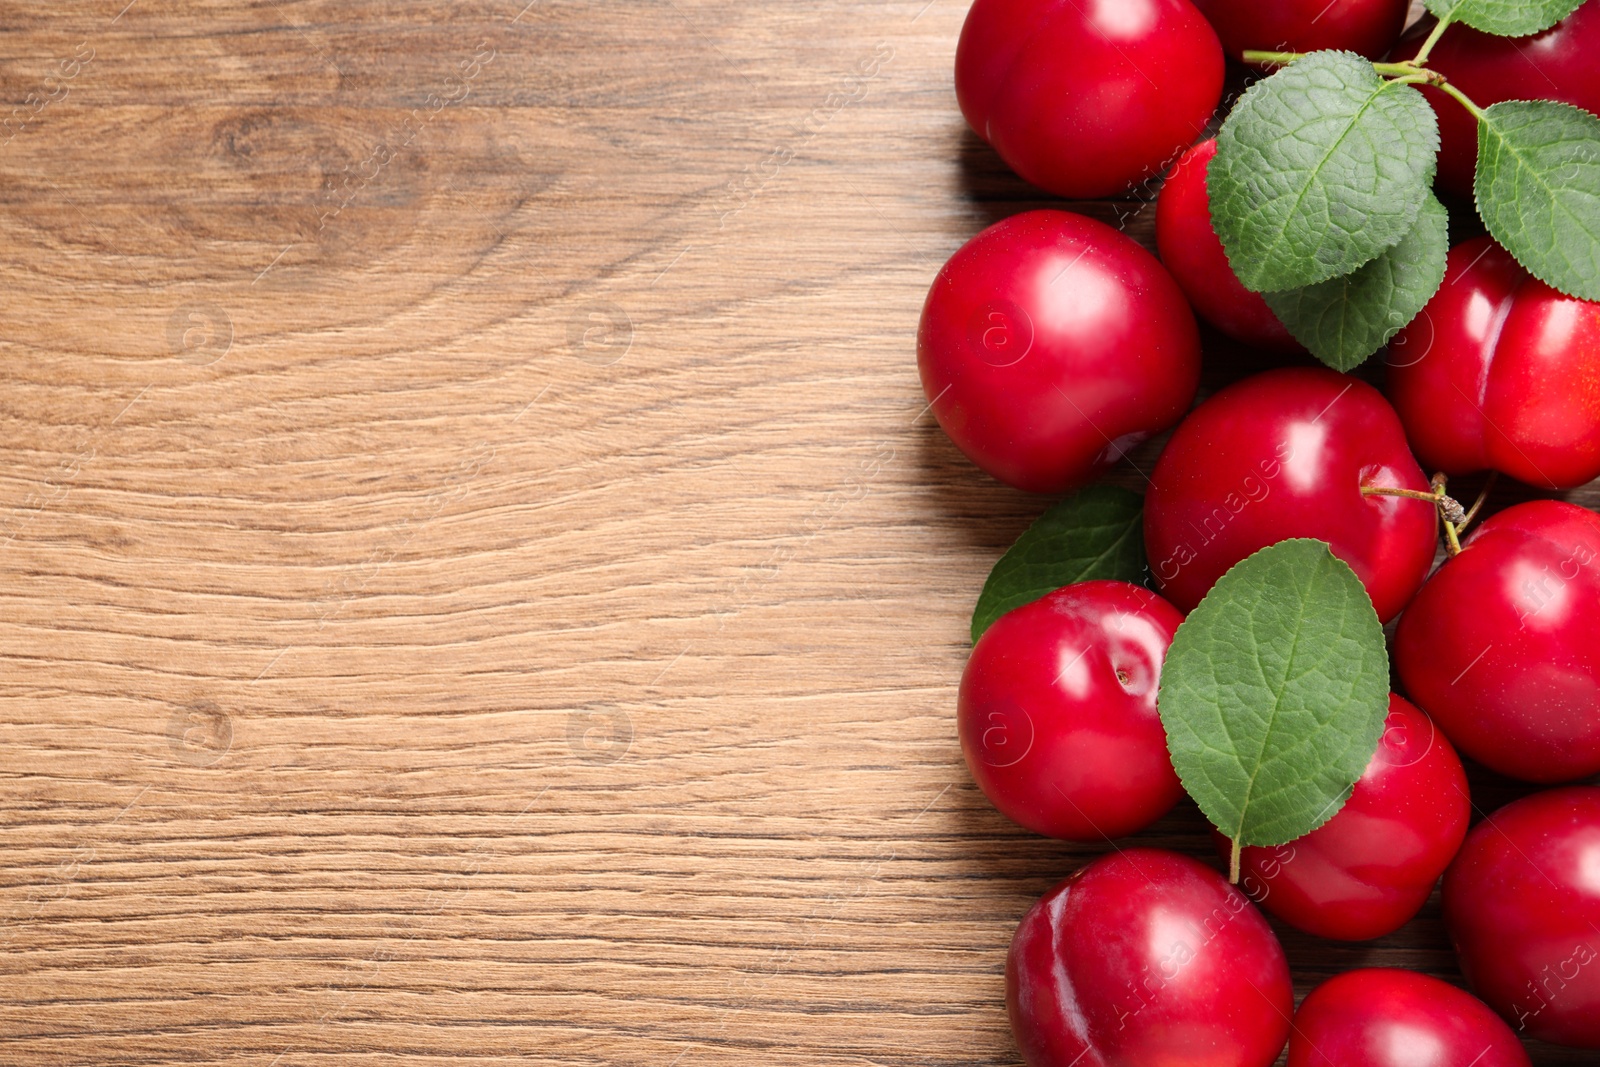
(481, 583)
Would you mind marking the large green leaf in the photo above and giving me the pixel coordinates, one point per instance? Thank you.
(1274, 693)
(1538, 189)
(1319, 169)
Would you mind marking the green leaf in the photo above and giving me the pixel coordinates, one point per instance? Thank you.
(1095, 533)
(1538, 189)
(1319, 169)
(1345, 320)
(1506, 18)
(1274, 693)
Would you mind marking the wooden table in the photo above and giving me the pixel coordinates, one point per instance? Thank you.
(479, 579)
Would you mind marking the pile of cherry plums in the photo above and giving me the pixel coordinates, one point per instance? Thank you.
(1052, 344)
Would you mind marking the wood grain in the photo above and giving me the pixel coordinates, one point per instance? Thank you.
(479, 581)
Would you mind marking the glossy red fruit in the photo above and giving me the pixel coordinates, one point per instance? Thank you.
(1368, 27)
(1191, 250)
(1086, 97)
(1057, 712)
(1472, 375)
(1522, 904)
(1383, 1017)
(1369, 869)
(1146, 958)
(1558, 64)
(1502, 646)
(1286, 454)
(1051, 344)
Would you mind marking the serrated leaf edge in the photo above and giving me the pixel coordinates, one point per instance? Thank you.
(1477, 201)
(1130, 529)
(1451, 13)
(1337, 363)
(1410, 215)
(1376, 740)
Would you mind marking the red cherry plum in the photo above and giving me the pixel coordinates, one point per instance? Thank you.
(1502, 646)
(1191, 250)
(1369, 869)
(1086, 97)
(1145, 958)
(1057, 712)
(1501, 372)
(1367, 27)
(1051, 344)
(1522, 904)
(1287, 454)
(1384, 1017)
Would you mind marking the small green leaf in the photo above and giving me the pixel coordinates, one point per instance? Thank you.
(1320, 168)
(1506, 18)
(1095, 533)
(1345, 320)
(1274, 693)
(1538, 189)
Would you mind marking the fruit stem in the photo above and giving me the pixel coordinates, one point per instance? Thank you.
(1404, 69)
(1450, 509)
(1276, 59)
(1409, 494)
(1233, 864)
(1477, 112)
(1477, 505)
(1433, 38)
